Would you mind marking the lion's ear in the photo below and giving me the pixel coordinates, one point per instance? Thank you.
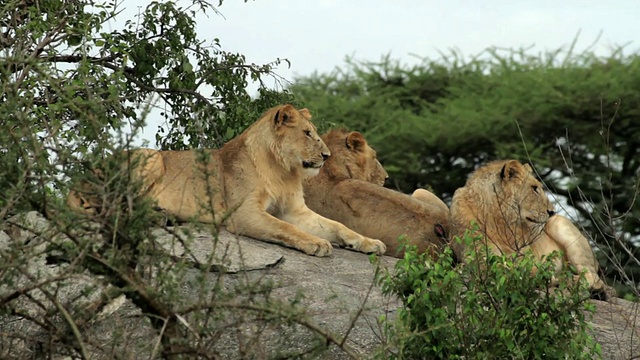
(528, 167)
(305, 113)
(355, 141)
(284, 115)
(511, 169)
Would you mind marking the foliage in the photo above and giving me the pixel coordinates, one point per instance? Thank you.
(73, 95)
(492, 307)
(158, 55)
(67, 79)
(574, 116)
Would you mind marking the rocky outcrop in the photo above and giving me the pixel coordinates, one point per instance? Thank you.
(338, 299)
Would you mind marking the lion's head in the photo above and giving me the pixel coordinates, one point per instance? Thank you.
(295, 141)
(509, 197)
(522, 197)
(506, 201)
(352, 158)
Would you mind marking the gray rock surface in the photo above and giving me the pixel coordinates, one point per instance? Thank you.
(338, 293)
(616, 327)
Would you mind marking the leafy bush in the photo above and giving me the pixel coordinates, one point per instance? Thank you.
(73, 96)
(491, 307)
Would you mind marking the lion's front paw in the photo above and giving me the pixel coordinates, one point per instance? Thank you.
(373, 246)
(598, 289)
(317, 248)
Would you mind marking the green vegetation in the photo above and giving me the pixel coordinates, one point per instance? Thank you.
(574, 116)
(490, 308)
(73, 94)
(75, 84)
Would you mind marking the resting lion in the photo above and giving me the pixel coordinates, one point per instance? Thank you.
(514, 214)
(349, 190)
(257, 177)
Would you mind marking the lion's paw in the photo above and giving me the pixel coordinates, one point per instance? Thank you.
(598, 289)
(319, 248)
(373, 246)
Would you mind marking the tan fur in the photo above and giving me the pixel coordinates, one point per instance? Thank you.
(514, 215)
(257, 177)
(349, 190)
(431, 198)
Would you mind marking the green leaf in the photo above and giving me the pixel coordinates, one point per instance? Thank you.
(74, 40)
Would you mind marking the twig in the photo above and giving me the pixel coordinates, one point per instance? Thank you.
(69, 319)
(157, 344)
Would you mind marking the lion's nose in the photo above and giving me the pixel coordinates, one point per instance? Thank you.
(325, 156)
(551, 213)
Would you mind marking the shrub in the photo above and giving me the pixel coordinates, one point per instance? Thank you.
(490, 307)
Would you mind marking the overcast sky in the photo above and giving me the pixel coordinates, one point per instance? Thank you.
(317, 35)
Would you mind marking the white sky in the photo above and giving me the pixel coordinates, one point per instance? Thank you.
(317, 35)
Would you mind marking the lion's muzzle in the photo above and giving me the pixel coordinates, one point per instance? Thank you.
(316, 164)
(312, 164)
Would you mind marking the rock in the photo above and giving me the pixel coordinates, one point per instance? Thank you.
(25, 230)
(339, 299)
(616, 327)
(229, 254)
(335, 288)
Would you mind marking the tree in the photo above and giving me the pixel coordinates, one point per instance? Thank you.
(66, 78)
(574, 116)
(73, 95)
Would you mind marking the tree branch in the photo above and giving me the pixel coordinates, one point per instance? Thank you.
(128, 73)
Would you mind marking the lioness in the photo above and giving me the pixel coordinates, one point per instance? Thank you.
(514, 214)
(349, 190)
(257, 176)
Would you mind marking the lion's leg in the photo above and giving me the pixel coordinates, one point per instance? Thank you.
(429, 197)
(544, 246)
(149, 167)
(261, 225)
(309, 221)
(576, 248)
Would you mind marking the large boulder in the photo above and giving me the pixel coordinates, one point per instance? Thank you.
(338, 299)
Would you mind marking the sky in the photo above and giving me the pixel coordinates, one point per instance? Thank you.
(318, 35)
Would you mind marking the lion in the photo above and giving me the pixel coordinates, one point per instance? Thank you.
(349, 189)
(514, 214)
(257, 182)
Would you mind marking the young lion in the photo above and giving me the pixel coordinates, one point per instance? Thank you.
(514, 214)
(257, 177)
(349, 190)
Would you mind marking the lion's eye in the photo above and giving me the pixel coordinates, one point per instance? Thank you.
(308, 133)
(535, 188)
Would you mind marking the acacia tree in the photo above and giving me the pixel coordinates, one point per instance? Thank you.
(573, 116)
